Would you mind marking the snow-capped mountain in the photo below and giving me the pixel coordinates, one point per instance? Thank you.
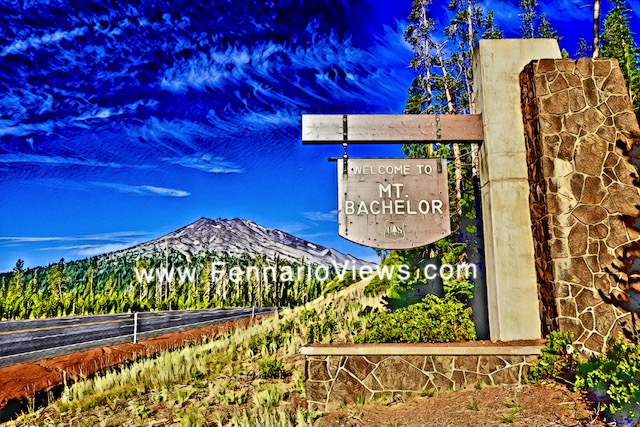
(238, 237)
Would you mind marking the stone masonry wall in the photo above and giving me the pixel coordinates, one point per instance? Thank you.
(335, 380)
(579, 129)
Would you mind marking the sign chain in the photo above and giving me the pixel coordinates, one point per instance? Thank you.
(345, 138)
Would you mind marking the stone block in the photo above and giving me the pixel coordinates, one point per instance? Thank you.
(489, 364)
(346, 389)
(589, 214)
(372, 383)
(359, 366)
(578, 239)
(467, 363)
(412, 378)
(316, 391)
(317, 370)
(441, 382)
(333, 363)
(510, 375)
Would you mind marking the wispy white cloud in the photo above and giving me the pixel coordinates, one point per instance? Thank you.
(82, 244)
(117, 236)
(169, 132)
(105, 113)
(322, 216)
(281, 118)
(12, 128)
(63, 161)
(91, 250)
(35, 42)
(206, 163)
(293, 227)
(143, 190)
(341, 70)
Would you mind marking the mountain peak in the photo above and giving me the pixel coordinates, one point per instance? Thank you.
(238, 237)
(202, 220)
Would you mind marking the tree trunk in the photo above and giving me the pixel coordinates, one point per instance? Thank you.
(596, 28)
(445, 78)
(467, 77)
(457, 155)
(427, 68)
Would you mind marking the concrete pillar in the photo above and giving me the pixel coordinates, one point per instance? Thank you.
(512, 290)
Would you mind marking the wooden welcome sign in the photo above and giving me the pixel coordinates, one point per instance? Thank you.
(393, 203)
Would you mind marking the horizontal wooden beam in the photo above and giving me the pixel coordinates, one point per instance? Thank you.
(392, 128)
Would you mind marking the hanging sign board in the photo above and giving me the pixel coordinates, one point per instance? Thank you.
(393, 203)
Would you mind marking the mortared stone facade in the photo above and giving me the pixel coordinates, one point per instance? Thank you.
(579, 130)
(336, 380)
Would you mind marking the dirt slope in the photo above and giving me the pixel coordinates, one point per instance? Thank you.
(26, 379)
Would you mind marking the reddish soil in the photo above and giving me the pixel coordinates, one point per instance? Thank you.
(519, 405)
(26, 379)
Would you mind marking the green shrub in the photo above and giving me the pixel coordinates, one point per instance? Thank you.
(432, 320)
(308, 315)
(461, 290)
(557, 358)
(337, 284)
(271, 367)
(613, 380)
(276, 338)
(324, 329)
(383, 282)
(377, 286)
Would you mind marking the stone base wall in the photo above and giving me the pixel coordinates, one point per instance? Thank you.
(579, 129)
(334, 380)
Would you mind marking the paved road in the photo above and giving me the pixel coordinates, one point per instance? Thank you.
(29, 340)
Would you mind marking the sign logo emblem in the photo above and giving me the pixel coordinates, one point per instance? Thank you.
(394, 230)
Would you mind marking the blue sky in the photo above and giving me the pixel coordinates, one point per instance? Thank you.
(119, 123)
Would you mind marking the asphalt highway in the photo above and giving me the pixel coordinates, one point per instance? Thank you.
(29, 340)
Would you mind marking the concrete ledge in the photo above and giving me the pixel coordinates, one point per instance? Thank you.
(343, 374)
(426, 349)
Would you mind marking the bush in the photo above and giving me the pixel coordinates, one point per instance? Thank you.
(612, 380)
(432, 320)
(271, 339)
(271, 367)
(323, 330)
(461, 290)
(337, 284)
(381, 283)
(557, 358)
(377, 286)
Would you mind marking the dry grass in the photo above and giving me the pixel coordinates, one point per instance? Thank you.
(216, 382)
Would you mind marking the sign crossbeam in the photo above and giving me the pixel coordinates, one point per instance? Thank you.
(392, 128)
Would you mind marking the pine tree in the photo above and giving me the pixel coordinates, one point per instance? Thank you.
(545, 30)
(443, 86)
(529, 15)
(534, 26)
(491, 30)
(18, 274)
(617, 42)
(57, 280)
(583, 51)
